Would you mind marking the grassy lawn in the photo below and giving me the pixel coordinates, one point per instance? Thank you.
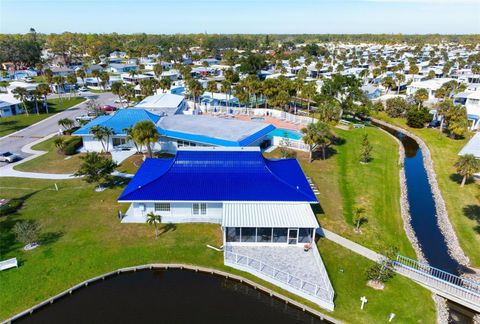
(343, 183)
(131, 164)
(15, 123)
(81, 237)
(52, 162)
(463, 204)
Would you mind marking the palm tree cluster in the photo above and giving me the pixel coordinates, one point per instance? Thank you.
(317, 135)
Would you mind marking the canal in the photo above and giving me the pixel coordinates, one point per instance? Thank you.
(422, 206)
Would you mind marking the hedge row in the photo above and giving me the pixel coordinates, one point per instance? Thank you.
(72, 145)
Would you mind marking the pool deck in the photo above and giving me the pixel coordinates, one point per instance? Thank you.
(266, 120)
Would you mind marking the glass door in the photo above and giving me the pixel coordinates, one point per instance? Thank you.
(292, 235)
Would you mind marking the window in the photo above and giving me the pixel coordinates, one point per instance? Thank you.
(280, 235)
(264, 235)
(162, 207)
(199, 209)
(305, 235)
(233, 234)
(248, 234)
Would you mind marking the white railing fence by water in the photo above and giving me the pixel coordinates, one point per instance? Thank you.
(439, 279)
(282, 276)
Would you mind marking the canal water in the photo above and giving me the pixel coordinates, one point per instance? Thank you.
(168, 296)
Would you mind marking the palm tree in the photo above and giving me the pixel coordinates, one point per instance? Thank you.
(35, 95)
(420, 96)
(96, 74)
(103, 134)
(117, 89)
(145, 133)
(467, 165)
(59, 143)
(129, 132)
(72, 80)
(44, 89)
(195, 89)
(81, 74)
(104, 79)
(317, 134)
(165, 84)
(154, 219)
(388, 83)
(66, 123)
(359, 218)
(21, 94)
(400, 78)
(308, 92)
(158, 70)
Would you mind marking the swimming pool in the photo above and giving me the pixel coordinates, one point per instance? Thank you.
(286, 133)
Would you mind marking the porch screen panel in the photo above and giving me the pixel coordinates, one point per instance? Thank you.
(233, 234)
(248, 234)
(264, 234)
(280, 235)
(305, 235)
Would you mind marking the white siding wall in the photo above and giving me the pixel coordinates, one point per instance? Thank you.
(180, 212)
(91, 145)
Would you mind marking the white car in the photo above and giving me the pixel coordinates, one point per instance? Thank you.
(8, 157)
(121, 101)
(85, 117)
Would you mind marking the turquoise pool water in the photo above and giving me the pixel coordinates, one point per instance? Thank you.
(286, 133)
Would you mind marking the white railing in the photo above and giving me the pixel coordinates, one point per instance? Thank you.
(304, 286)
(323, 271)
(261, 112)
(443, 281)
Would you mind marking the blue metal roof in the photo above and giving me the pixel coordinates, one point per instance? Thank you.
(216, 175)
(122, 119)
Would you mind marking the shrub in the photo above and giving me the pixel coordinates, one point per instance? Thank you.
(72, 145)
(396, 107)
(417, 118)
(26, 232)
(11, 206)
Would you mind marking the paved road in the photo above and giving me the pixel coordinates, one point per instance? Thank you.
(14, 143)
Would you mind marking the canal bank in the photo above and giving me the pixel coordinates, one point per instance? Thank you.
(429, 218)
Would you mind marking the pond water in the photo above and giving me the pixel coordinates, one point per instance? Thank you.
(168, 296)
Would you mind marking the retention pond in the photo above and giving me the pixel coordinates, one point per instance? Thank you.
(169, 296)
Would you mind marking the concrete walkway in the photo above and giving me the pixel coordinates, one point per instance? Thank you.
(352, 246)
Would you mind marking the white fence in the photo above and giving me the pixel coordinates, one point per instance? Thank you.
(261, 112)
(312, 289)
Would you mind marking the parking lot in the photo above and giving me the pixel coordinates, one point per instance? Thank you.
(14, 142)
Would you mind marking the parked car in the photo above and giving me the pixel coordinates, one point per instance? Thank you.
(434, 124)
(109, 108)
(83, 89)
(8, 157)
(88, 117)
(121, 101)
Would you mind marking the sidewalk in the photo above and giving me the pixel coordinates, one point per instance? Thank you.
(352, 246)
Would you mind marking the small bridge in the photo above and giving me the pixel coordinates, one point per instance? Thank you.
(460, 290)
